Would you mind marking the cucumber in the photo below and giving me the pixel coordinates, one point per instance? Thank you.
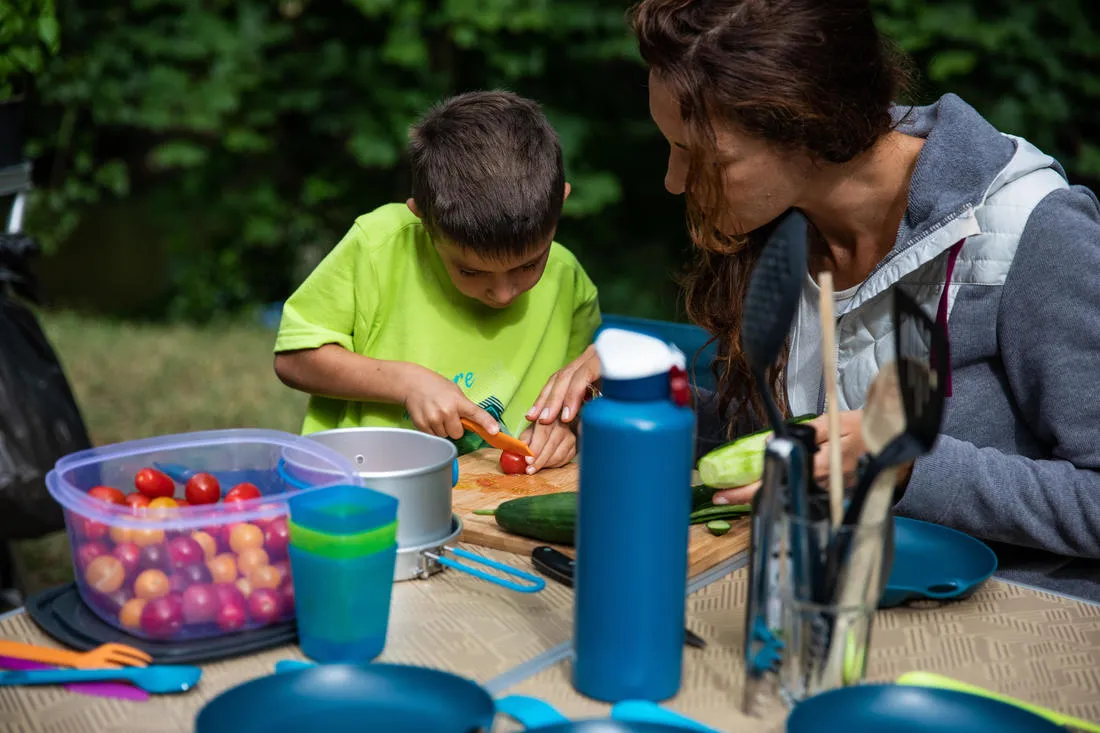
(553, 517)
(701, 495)
(718, 527)
(726, 511)
(546, 517)
(740, 461)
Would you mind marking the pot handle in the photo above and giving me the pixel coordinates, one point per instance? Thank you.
(536, 583)
(280, 469)
(454, 473)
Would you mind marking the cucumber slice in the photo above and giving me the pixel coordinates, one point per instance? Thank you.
(718, 527)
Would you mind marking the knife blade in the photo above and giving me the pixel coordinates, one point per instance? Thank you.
(558, 566)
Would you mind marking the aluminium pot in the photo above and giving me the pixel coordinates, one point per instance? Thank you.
(419, 470)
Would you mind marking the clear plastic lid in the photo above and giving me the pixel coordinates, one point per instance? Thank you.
(233, 457)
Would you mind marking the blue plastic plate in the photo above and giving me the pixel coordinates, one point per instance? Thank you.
(347, 698)
(905, 709)
(935, 562)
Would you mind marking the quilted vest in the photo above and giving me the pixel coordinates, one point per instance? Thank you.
(975, 245)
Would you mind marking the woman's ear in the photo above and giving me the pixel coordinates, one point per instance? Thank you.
(568, 190)
(411, 203)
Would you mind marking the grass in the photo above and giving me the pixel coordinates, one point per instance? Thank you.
(136, 380)
(140, 380)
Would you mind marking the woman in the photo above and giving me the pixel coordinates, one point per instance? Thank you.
(768, 106)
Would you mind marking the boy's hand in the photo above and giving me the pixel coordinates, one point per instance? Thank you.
(553, 445)
(435, 405)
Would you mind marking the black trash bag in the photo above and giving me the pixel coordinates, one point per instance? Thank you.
(39, 418)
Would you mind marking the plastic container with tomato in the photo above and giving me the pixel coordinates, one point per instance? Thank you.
(185, 536)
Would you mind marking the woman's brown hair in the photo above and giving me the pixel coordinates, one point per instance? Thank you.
(808, 75)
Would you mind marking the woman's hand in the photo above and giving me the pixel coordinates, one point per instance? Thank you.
(436, 404)
(851, 448)
(553, 445)
(564, 393)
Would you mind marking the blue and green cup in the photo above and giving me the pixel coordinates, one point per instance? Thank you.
(342, 554)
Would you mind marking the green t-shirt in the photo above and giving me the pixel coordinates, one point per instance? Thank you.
(383, 292)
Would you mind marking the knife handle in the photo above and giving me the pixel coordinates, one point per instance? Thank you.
(558, 566)
(553, 564)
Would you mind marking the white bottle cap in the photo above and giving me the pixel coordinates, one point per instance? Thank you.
(631, 355)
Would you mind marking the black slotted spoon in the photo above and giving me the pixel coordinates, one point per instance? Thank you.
(771, 302)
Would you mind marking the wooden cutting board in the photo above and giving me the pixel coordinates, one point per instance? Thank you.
(482, 485)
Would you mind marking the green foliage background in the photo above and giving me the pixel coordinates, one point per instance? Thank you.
(197, 157)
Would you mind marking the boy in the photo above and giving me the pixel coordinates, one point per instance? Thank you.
(457, 303)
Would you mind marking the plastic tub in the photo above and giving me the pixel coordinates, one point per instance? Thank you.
(195, 571)
(343, 604)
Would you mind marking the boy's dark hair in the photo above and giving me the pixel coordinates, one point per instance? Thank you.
(487, 173)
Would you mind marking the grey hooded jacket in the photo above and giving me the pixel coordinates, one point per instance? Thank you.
(1017, 463)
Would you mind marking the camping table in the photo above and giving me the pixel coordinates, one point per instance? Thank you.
(1034, 645)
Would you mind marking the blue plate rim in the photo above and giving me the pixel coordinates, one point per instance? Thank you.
(920, 593)
(1042, 724)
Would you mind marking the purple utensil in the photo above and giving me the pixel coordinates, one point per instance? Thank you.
(119, 690)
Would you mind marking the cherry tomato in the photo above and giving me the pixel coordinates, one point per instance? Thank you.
(146, 537)
(108, 494)
(129, 555)
(244, 537)
(151, 584)
(207, 543)
(200, 604)
(185, 551)
(137, 502)
(265, 576)
(153, 483)
(89, 529)
(105, 573)
(162, 506)
(202, 488)
(286, 589)
(130, 614)
(88, 551)
(265, 605)
(244, 585)
(243, 492)
(163, 616)
(223, 568)
(277, 537)
(512, 462)
(121, 535)
(251, 559)
(231, 617)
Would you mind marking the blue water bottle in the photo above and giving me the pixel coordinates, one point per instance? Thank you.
(636, 454)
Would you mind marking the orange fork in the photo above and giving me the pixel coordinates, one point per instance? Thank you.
(107, 656)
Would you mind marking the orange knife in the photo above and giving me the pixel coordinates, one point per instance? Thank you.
(500, 440)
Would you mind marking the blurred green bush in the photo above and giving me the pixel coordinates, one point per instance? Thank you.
(202, 155)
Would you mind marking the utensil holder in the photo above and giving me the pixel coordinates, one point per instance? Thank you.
(826, 629)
